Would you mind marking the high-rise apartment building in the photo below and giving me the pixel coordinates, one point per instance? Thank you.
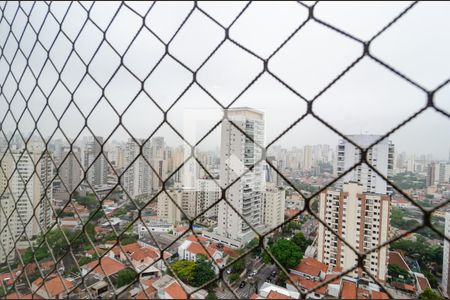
(70, 168)
(307, 157)
(362, 220)
(30, 187)
(238, 153)
(380, 156)
(7, 227)
(446, 259)
(137, 179)
(438, 173)
(95, 162)
(208, 193)
(274, 205)
(159, 161)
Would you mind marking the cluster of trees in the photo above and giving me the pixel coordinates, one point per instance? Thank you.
(288, 252)
(194, 273)
(399, 275)
(429, 294)
(119, 212)
(125, 239)
(125, 276)
(304, 186)
(90, 201)
(58, 244)
(399, 220)
(409, 180)
(428, 256)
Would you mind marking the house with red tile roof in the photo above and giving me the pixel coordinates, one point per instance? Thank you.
(396, 258)
(422, 282)
(7, 279)
(53, 288)
(168, 287)
(107, 267)
(351, 290)
(310, 268)
(191, 249)
(318, 280)
(15, 295)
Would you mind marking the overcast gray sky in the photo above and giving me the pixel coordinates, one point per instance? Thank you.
(368, 99)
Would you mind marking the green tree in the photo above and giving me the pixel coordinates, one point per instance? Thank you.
(290, 227)
(233, 277)
(85, 260)
(300, 240)
(184, 269)
(95, 215)
(429, 294)
(211, 296)
(281, 278)
(70, 270)
(90, 201)
(119, 212)
(125, 276)
(238, 266)
(128, 239)
(203, 272)
(2, 291)
(395, 272)
(254, 245)
(286, 252)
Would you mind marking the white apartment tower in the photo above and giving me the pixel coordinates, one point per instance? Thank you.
(31, 188)
(274, 205)
(208, 193)
(362, 220)
(70, 170)
(446, 259)
(7, 227)
(137, 179)
(238, 153)
(159, 161)
(97, 174)
(381, 156)
(438, 173)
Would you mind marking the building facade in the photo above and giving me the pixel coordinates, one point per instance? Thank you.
(380, 156)
(438, 173)
(70, 169)
(362, 220)
(274, 205)
(446, 259)
(94, 162)
(238, 153)
(137, 179)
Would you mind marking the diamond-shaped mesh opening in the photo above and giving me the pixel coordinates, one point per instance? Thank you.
(202, 150)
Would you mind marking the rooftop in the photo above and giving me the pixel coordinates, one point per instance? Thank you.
(107, 266)
(53, 286)
(311, 266)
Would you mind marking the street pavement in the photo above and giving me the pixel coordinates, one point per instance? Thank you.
(258, 280)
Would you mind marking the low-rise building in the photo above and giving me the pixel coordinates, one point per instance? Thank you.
(107, 267)
(54, 287)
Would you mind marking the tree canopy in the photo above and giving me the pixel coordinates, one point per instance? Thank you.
(429, 294)
(125, 276)
(301, 241)
(194, 273)
(286, 252)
